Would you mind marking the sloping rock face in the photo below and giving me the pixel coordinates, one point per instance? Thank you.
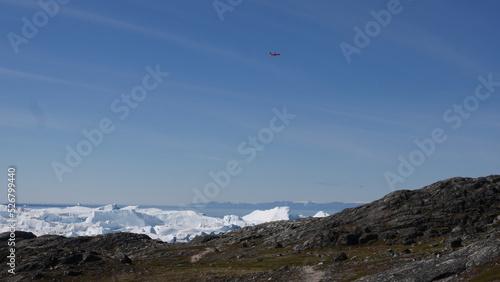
(447, 266)
(459, 206)
(52, 252)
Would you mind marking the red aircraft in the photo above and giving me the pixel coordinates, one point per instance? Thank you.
(274, 54)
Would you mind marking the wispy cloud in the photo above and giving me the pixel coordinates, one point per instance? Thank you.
(195, 45)
(337, 185)
(354, 114)
(208, 157)
(328, 14)
(16, 119)
(98, 19)
(21, 4)
(363, 145)
(420, 40)
(38, 113)
(440, 50)
(217, 91)
(327, 184)
(68, 64)
(44, 78)
(32, 116)
(154, 138)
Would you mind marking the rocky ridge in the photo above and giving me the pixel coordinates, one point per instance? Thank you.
(460, 206)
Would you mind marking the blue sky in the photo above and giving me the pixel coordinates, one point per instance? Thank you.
(353, 121)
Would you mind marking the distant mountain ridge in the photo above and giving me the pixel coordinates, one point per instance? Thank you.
(338, 206)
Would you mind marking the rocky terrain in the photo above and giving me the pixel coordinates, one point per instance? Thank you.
(447, 231)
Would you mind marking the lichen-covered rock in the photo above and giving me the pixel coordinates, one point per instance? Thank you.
(443, 267)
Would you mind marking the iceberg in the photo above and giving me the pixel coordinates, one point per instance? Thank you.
(321, 214)
(167, 226)
(278, 213)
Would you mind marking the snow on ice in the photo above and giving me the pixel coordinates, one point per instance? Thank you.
(321, 214)
(278, 213)
(168, 226)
